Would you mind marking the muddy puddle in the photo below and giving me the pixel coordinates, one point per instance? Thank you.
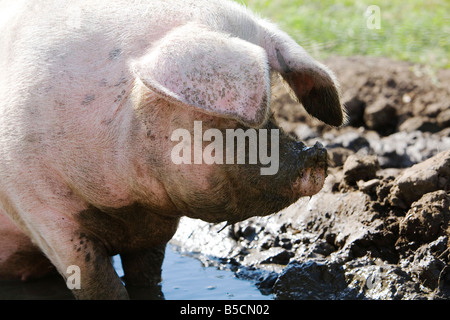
(184, 278)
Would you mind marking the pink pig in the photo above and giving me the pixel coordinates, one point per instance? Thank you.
(90, 94)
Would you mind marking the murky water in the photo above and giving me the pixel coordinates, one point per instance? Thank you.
(184, 278)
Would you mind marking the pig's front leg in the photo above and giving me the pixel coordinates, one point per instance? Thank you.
(143, 268)
(142, 271)
(79, 256)
(99, 280)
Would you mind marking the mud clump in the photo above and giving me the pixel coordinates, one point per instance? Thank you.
(430, 175)
(425, 219)
(380, 227)
(358, 168)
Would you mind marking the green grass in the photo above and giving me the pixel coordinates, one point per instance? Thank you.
(412, 30)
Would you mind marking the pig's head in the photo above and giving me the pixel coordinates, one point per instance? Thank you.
(198, 80)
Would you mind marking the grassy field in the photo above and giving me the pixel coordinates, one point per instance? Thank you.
(413, 30)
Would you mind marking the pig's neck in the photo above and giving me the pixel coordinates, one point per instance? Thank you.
(143, 148)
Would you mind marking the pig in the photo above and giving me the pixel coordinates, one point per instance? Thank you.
(90, 94)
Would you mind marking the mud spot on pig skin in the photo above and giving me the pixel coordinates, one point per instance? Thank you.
(115, 53)
(88, 246)
(88, 99)
(82, 246)
(120, 96)
(122, 80)
(103, 82)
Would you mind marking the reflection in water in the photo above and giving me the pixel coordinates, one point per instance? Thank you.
(184, 278)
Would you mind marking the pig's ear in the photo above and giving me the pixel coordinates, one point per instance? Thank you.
(210, 71)
(315, 87)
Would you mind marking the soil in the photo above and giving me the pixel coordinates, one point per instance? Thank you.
(380, 227)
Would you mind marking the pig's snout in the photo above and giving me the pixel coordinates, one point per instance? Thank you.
(312, 168)
(314, 156)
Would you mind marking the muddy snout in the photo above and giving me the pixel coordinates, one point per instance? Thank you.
(311, 169)
(313, 157)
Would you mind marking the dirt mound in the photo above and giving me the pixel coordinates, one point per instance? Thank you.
(382, 95)
(380, 227)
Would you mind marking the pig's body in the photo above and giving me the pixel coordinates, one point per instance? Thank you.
(85, 127)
